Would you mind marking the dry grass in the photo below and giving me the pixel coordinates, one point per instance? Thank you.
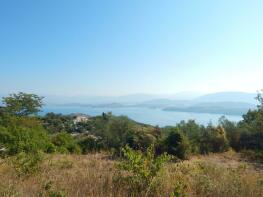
(73, 175)
(93, 175)
(216, 175)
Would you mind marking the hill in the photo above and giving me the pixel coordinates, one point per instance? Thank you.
(228, 97)
(224, 108)
(225, 103)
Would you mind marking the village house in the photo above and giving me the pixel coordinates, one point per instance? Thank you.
(77, 118)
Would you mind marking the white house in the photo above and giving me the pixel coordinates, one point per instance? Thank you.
(80, 118)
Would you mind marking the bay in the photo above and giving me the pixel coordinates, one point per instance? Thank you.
(143, 115)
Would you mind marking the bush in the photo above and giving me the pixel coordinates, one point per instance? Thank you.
(27, 163)
(253, 155)
(90, 143)
(143, 170)
(25, 135)
(65, 143)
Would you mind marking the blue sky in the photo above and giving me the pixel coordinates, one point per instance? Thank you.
(110, 47)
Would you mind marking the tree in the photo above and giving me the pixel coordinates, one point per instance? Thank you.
(260, 99)
(251, 127)
(193, 131)
(177, 144)
(232, 132)
(219, 142)
(118, 132)
(213, 139)
(205, 142)
(22, 104)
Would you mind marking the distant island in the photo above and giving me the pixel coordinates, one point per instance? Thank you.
(215, 108)
(224, 103)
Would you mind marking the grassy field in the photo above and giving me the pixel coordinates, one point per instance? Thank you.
(226, 174)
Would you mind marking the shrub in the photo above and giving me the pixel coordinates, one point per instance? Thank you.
(27, 163)
(253, 155)
(90, 143)
(25, 135)
(51, 191)
(143, 169)
(65, 143)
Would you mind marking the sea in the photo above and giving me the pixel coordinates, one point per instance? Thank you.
(152, 116)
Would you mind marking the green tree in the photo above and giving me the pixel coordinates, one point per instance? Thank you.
(118, 132)
(22, 104)
(177, 144)
(233, 133)
(193, 131)
(219, 142)
(251, 127)
(213, 139)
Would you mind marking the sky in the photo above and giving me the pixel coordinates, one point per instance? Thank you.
(117, 47)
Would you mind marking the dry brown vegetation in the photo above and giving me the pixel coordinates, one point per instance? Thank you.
(225, 174)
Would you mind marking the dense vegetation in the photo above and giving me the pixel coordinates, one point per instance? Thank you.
(25, 137)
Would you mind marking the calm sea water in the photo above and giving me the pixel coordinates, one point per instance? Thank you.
(144, 115)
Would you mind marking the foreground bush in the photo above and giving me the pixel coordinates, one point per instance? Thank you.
(143, 170)
(21, 134)
(26, 164)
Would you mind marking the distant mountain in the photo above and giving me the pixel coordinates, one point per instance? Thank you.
(228, 97)
(127, 99)
(224, 108)
(185, 95)
(135, 98)
(77, 100)
(228, 103)
(162, 103)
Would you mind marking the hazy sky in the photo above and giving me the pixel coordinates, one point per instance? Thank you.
(130, 46)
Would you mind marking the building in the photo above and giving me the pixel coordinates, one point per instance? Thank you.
(77, 118)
